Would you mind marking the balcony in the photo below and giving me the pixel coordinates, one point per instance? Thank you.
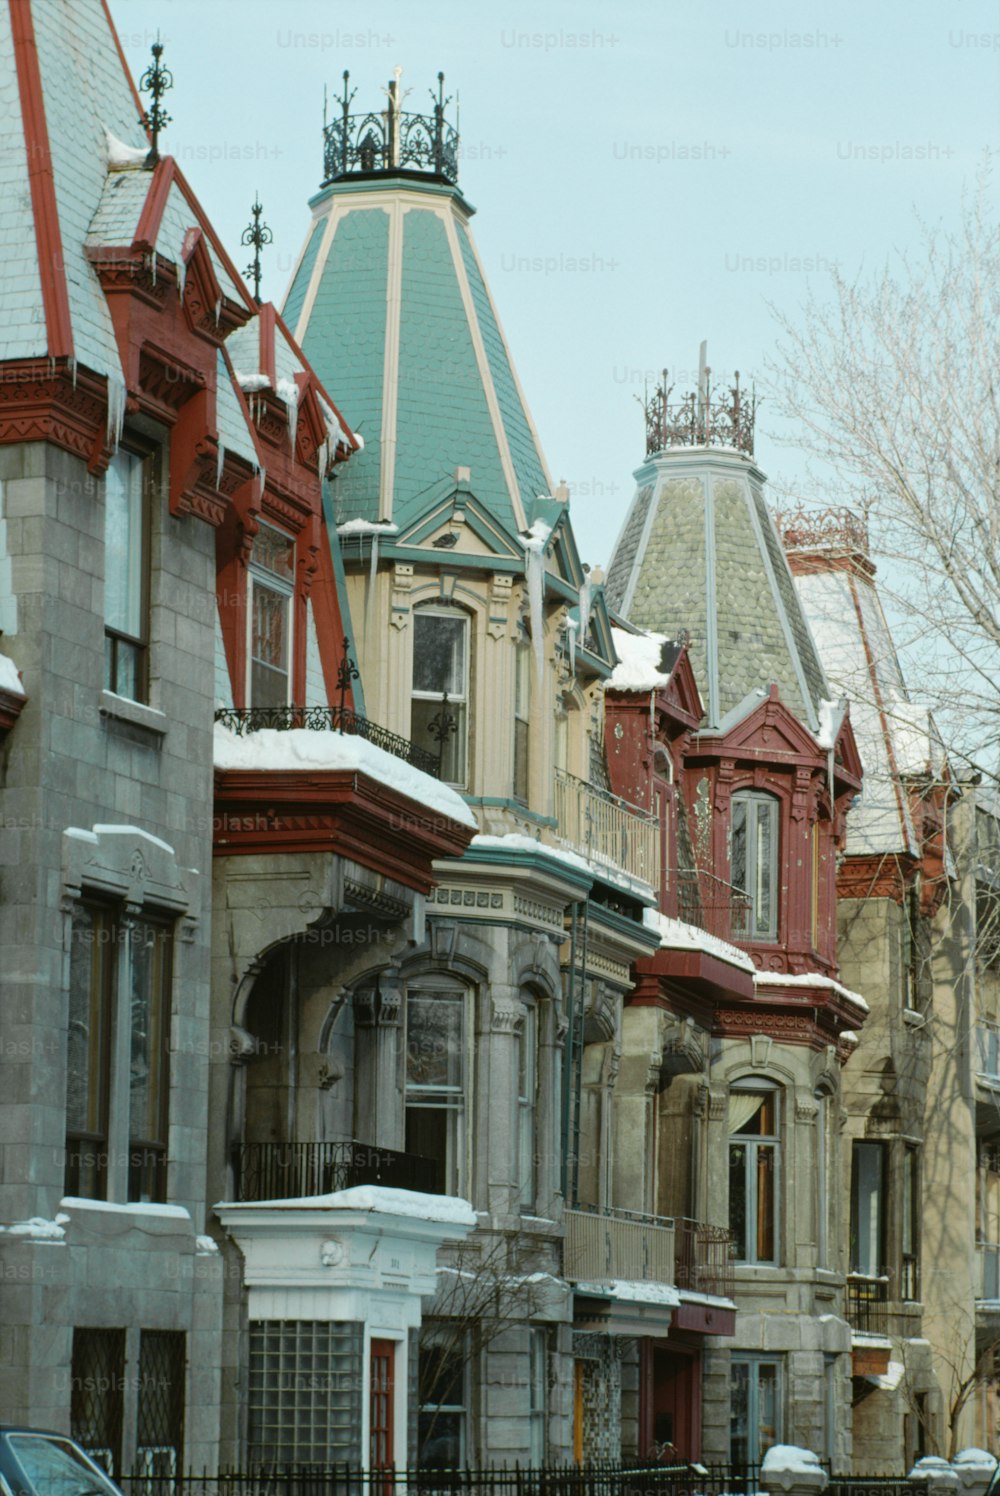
(868, 1302)
(606, 829)
(602, 1246)
(703, 1258)
(289, 1171)
(243, 720)
(711, 904)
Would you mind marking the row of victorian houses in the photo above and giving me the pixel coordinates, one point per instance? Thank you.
(455, 1007)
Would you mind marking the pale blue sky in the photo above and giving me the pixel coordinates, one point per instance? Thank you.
(646, 175)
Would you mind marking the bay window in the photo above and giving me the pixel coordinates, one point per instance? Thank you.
(126, 572)
(754, 865)
(754, 1171)
(270, 594)
(439, 703)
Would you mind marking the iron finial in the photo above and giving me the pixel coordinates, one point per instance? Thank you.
(155, 81)
(258, 234)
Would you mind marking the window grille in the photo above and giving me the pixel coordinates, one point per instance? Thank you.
(160, 1408)
(97, 1385)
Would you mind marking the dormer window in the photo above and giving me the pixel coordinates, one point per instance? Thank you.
(754, 866)
(126, 573)
(270, 590)
(440, 671)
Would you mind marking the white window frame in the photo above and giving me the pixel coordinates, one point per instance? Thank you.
(756, 802)
(462, 698)
(272, 581)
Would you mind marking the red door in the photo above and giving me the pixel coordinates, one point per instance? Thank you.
(383, 1354)
(670, 1403)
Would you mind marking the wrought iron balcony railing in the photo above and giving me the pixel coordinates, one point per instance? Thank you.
(288, 1171)
(604, 828)
(242, 720)
(618, 1244)
(711, 904)
(704, 1258)
(390, 139)
(868, 1302)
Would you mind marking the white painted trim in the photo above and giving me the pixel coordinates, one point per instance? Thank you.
(486, 376)
(317, 216)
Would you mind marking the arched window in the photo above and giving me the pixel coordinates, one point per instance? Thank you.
(754, 865)
(754, 1170)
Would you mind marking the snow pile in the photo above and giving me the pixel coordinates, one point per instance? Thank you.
(204, 1246)
(974, 1456)
(639, 657)
(444, 1208)
(918, 747)
(810, 979)
(10, 680)
(791, 1457)
(368, 527)
(288, 391)
(676, 935)
(250, 384)
(634, 1291)
(122, 157)
(39, 1229)
(889, 1380)
(831, 717)
(302, 748)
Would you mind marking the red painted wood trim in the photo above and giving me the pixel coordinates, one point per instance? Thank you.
(48, 236)
(210, 233)
(266, 346)
(139, 106)
(148, 227)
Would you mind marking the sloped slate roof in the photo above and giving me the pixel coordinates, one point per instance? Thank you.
(392, 308)
(699, 552)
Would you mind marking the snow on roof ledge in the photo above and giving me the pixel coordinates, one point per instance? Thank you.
(296, 748)
(810, 979)
(633, 1291)
(676, 935)
(10, 680)
(122, 157)
(639, 657)
(446, 1209)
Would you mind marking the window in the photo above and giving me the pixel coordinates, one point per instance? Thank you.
(754, 865)
(867, 1210)
(270, 588)
(755, 1409)
(126, 570)
(754, 1159)
(435, 1081)
(909, 1234)
(829, 1440)
(439, 708)
(442, 1436)
(304, 1396)
(97, 1383)
(822, 1186)
(160, 1407)
(522, 712)
(527, 1042)
(119, 995)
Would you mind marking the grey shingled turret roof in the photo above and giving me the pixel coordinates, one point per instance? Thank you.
(699, 552)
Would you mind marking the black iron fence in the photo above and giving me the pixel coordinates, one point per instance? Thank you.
(639, 1479)
(283, 1171)
(246, 719)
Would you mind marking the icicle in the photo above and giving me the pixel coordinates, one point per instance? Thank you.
(288, 390)
(182, 277)
(218, 310)
(571, 642)
(219, 461)
(373, 564)
(585, 605)
(323, 456)
(71, 366)
(116, 410)
(535, 568)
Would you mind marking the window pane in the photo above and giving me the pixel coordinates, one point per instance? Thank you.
(426, 727)
(434, 1040)
(739, 844)
(768, 1415)
(123, 544)
(764, 900)
(304, 1395)
(739, 1413)
(274, 552)
(766, 1200)
(149, 998)
(866, 1233)
(97, 1395)
(439, 654)
(738, 1199)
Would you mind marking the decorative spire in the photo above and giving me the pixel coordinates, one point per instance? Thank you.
(258, 234)
(698, 419)
(390, 140)
(155, 80)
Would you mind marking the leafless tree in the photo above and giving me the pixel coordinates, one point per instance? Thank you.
(891, 381)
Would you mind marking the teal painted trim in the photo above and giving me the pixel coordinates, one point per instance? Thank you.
(621, 923)
(340, 582)
(518, 857)
(297, 290)
(513, 805)
(528, 466)
(344, 340)
(443, 418)
(600, 667)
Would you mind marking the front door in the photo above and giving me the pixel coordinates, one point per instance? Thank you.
(671, 1403)
(380, 1408)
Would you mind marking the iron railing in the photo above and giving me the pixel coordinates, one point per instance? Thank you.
(712, 904)
(246, 719)
(605, 828)
(699, 419)
(287, 1171)
(390, 139)
(868, 1302)
(703, 1258)
(601, 1246)
(641, 1478)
